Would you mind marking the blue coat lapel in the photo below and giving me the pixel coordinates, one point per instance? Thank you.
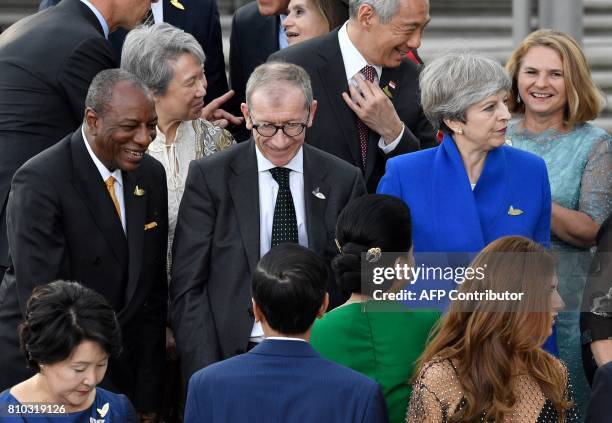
(457, 218)
(492, 191)
(465, 217)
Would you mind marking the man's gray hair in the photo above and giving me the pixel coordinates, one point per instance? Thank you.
(272, 73)
(453, 82)
(385, 9)
(101, 89)
(148, 53)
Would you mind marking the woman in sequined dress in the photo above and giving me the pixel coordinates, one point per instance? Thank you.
(553, 91)
(486, 361)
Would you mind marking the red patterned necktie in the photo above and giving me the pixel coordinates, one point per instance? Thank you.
(370, 73)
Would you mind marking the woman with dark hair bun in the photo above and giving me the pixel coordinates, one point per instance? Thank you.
(68, 336)
(381, 339)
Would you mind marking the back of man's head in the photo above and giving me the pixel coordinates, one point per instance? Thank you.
(289, 288)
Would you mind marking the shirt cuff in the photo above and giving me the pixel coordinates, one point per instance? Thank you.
(388, 148)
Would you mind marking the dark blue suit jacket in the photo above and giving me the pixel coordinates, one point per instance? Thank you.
(200, 18)
(447, 216)
(600, 406)
(282, 381)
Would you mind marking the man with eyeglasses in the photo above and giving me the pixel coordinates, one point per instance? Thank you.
(241, 202)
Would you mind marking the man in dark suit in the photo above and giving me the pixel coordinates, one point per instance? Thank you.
(200, 18)
(284, 378)
(93, 208)
(47, 61)
(240, 202)
(369, 105)
(256, 34)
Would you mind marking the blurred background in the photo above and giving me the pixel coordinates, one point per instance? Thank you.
(493, 27)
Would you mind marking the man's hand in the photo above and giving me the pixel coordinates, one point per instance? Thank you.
(213, 113)
(374, 108)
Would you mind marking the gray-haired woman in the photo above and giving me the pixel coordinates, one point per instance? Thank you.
(171, 62)
(472, 189)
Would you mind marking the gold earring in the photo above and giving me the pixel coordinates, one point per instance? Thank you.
(459, 131)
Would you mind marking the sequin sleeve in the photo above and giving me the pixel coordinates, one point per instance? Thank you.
(596, 183)
(435, 391)
(571, 415)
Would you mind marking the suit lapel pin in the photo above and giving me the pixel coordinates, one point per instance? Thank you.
(514, 212)
(387, 89)
(139, 192)
(177, 4)
(317, 193)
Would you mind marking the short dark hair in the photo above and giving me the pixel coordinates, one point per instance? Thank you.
(289, 287)
(59, 316)
(371, 221)
(100, 92)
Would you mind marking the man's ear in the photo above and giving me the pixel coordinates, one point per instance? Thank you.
(313, 110)
(366, 15)
(324, 306)
(245, 112)
(91, 120)
(257, 311)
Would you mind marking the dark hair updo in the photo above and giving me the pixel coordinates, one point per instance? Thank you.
(371, 221)
(59, 316)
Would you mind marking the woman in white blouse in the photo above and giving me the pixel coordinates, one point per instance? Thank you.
(171, 62)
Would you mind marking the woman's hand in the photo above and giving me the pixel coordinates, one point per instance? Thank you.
(212, 112)
(574, 227)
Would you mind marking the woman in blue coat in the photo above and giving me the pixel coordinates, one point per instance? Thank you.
(472, 189)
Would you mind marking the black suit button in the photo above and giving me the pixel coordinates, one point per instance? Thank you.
(97, 261)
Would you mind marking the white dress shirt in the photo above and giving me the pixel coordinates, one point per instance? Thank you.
(158, 11)
(282, 36)
(105, 174)
(268, 190)
(353, 63)
(99, 16)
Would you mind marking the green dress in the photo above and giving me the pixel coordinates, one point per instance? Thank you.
(381, 340)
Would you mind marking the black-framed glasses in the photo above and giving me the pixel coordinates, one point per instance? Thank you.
(292, 129)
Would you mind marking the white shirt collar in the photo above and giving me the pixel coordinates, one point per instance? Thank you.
(282, 36)
(285, 338)
(99, 16)
(104, 172)
(296, 164)
(158, 11)
(352, 58)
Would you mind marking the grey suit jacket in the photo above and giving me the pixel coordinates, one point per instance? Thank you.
(216, 245)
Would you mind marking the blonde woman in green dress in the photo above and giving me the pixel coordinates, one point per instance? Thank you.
(380, 339)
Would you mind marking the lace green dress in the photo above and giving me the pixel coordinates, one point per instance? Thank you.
(579, 166)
